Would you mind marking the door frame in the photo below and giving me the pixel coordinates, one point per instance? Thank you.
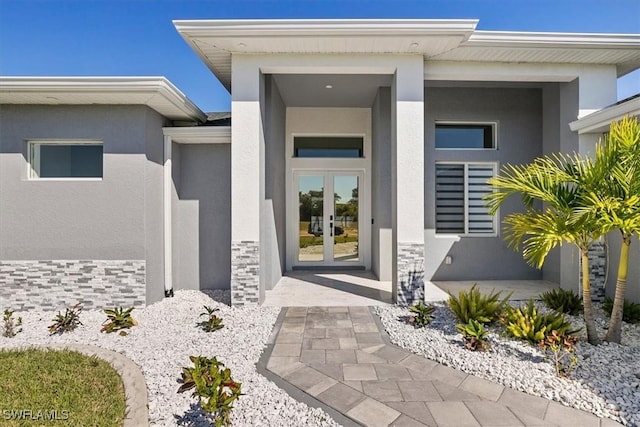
(323, 167)
(328, 210)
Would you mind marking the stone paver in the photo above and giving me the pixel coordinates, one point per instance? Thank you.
(339, 357)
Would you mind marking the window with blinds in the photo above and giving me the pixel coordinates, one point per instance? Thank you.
(460, 188)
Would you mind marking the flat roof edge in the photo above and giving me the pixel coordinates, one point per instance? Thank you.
(157, 85)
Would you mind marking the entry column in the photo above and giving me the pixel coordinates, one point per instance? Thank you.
(407, 134)
(246, 137)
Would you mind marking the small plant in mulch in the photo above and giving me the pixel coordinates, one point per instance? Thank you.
(563, 301)
(118, 319)
(475, 335)
(212, 322)
(528, 324)
(560, 350)
(473, 305)
(11, 325)
(421, 314)
(66, 322)
(212, 384)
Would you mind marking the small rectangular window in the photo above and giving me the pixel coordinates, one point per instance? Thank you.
(460, 188)
(465, 136)
(65, 159)
(328, 146)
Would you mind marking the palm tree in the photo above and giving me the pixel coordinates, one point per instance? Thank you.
(557, 183)
(615, 202)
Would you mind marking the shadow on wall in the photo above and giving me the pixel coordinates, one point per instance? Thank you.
(204, 216)
(477, 258)
(412, 287)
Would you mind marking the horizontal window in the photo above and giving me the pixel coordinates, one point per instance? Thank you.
(460, 188)
(465, 136)
(328, 146)
(53, 159)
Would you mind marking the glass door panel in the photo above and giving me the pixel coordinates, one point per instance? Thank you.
(311, 214)
(345, 225)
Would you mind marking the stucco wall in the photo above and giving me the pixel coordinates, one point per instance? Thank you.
(273, 213)
(202, 232)
(381, 229)
(518, 112)
(118, 218)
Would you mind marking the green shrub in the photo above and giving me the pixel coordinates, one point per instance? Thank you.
(527, 324)
(118, 319)
(475, 334)
(560, 349)
(213, 322)
(422, 314)
(630, 310)
(472, 305)
(66, 322)
(563, 301)
(11, 326)
(213, 386)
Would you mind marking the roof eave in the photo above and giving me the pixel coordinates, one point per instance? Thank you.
(183, 107)
(600, 120)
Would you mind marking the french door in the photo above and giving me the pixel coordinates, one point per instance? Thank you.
(328, 208)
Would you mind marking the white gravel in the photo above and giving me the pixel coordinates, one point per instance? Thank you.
(162, 343)
(606, 382)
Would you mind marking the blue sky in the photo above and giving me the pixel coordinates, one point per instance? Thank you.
(118, 37)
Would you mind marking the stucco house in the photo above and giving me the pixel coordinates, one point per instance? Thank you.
(352, 144)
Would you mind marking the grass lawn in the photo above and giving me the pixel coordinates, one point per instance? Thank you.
(47, 387)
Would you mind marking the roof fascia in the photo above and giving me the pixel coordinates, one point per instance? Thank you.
(545, 39)
(600, 120)
(150, 85)
(323, 27)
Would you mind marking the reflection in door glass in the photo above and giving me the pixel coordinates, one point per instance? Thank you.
(310, 199)
(345, 243)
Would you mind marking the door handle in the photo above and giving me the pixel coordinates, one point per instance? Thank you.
(331, 228)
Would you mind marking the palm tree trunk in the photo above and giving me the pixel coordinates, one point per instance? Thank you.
(592, 334)
(615, 323)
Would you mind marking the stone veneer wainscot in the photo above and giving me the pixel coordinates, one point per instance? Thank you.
(54, 285)
(245, 273)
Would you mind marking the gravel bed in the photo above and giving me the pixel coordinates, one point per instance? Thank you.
(162, 343)
(605, 383)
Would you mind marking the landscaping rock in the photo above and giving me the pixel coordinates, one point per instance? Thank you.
(161, 344)
(602, 384)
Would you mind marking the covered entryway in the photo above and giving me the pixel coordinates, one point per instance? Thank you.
(325, 288)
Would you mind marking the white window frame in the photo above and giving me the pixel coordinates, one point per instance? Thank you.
(466, 164)
(494, 133)
(33, 158)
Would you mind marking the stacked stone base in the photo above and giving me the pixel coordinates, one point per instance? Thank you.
(597, 270)
(245, 273)
(54, 285)
(410, 273)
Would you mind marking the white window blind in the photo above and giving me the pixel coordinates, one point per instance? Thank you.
(460, 188)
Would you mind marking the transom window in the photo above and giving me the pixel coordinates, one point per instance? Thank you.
(328, 146)
(65, 159)
(468, 136)
(460, 209)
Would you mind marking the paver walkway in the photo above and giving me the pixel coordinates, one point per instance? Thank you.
(339, 358)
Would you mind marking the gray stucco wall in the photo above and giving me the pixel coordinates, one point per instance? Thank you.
(560, 106)
(518, 112)
(202, 246)
(381, 228)
(273, 206)
(118, 218)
